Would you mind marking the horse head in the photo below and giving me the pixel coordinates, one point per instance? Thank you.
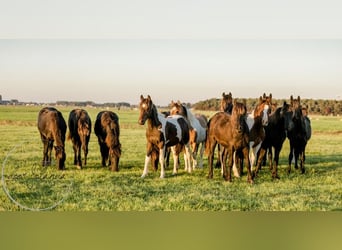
(239, 113)
(147, 111)
(227, 103)
(177, 108)
(60, 156)
(263, 109)
(287, 114)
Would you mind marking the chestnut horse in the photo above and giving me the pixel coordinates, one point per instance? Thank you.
(79, 132)
(52, 129)
(107, 130)
(161, 132)
(231, 132)
(198, 129)
(298, 135)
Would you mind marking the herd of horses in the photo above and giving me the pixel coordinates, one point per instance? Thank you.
(243, 138)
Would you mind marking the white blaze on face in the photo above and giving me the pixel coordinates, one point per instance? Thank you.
(144, 105)
(265, 115)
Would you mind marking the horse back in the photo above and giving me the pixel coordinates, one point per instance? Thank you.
(51, 124)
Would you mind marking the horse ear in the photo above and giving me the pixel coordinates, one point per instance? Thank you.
(149, 97)
(260, 99)
(172, 103)
(270, 96)
(234, 102)
(141, 97)
(291, 99)
(223, 94)
(179, 102)
(298, 98)
(230, 94)
(264, 95)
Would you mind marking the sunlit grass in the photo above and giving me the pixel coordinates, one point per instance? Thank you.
(95, 188)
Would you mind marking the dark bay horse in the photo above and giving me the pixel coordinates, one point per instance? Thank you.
(231, 132)
(161, 132)
(279, 122)
(52, 129)
(79, 124)
(107, 130)
(226, 104)
(197, 133)
(298, 135)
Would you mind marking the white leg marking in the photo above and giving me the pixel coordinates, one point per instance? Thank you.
(147, 162)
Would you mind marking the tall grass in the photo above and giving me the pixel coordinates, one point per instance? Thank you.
(95, 188)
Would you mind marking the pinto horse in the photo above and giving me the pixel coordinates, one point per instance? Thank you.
(298, 135)
(256, 122)
(197, 132)
(52, 129)
(231, 132)
(107, 130)
(79, 132)
(161, 132)
(275, 134)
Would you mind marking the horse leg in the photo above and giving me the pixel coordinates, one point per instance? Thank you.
(75, 153)
(194, 154)
(45, 152)
(147, 162)
(275, 163)
(262, 153)
(227, 170)
(236, 165)
(201, 155)
(85, 152)
(219, 156)
(248, 164)
(290, 158)
(162, 161)
(187, 157)
(211, 147)
(302, 161)
(270, 158)
(104, 153)
(50, 146)
(175, 160)
(79, 161)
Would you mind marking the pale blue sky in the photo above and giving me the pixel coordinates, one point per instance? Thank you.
(172, 50)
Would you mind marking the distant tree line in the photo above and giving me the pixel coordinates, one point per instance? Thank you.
(319, 107)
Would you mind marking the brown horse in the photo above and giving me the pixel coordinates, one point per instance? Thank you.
(52, 129)
(231, 132)
(107, 130)
(161, 133)
(79, 132)
(198, 129)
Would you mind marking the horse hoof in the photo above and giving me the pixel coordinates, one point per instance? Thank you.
(143, 175)
(79, 167)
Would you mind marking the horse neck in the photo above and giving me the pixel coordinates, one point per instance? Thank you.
(154, 121)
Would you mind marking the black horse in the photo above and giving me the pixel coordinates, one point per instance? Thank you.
(279, 122)
(298, 135)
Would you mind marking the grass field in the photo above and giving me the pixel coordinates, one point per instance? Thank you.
(29, 186)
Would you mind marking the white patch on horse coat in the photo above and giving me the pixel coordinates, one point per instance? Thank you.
(173, 119)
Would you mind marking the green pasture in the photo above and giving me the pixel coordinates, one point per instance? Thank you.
(27, 185)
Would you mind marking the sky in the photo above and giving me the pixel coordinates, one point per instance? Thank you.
(113, 51)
